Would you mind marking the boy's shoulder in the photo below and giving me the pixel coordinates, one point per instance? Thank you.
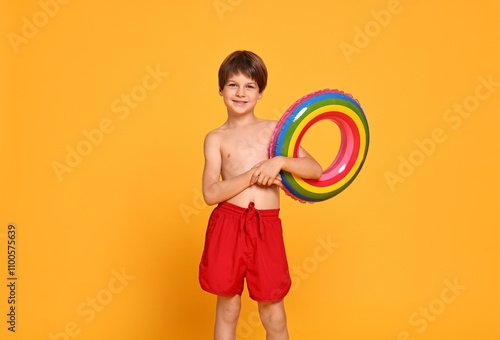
(266, 123)
(216, 133)
(214, 137)
(268, 126)
(272, 123)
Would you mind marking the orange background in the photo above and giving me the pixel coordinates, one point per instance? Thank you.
(110, 247)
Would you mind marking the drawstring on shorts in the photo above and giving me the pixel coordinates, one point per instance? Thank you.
(250, 210)
(244, 215)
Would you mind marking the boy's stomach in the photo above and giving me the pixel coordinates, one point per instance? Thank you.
(263, 197)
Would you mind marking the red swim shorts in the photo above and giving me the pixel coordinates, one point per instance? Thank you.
(245, 243)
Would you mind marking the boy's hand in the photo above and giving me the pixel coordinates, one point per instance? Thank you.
(267, 172)
(276, 181)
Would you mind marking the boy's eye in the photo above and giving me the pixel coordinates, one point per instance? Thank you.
(232, 85)
(251, 86)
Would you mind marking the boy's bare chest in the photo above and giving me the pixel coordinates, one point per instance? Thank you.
(242, 150)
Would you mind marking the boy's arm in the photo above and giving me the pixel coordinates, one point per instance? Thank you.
(214, 190)
(304, 166)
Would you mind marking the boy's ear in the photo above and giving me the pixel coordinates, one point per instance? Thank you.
(261, 94)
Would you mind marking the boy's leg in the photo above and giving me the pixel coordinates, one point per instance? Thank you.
(273, 317)
(226, 317)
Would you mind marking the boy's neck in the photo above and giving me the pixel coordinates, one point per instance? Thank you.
(234, 120)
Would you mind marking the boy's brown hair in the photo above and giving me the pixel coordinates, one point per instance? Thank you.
(246, 62)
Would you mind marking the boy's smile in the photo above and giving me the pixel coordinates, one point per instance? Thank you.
(240, 94)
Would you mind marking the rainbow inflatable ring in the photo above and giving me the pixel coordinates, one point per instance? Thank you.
(345, 111)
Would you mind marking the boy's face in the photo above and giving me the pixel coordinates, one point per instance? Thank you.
(240, 94)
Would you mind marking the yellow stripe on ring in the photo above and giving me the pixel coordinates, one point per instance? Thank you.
(362, 146)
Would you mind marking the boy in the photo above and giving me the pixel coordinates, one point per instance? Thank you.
(244, 235)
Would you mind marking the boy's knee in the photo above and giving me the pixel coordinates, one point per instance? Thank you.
(229, 309)
(273, 316)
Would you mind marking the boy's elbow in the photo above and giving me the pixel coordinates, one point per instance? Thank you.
(209, 199)
(318, 172)
(210, 203)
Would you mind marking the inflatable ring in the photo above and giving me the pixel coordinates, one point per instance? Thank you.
(345, 111)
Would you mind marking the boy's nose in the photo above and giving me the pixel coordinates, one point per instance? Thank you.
(240, 92)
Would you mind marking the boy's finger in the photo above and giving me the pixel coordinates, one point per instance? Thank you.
(278, 183)
(253, 180)
(254, 177)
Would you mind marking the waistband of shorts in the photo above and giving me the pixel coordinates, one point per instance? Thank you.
(237, 210)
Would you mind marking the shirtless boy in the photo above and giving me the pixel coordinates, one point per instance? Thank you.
(244, 238)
